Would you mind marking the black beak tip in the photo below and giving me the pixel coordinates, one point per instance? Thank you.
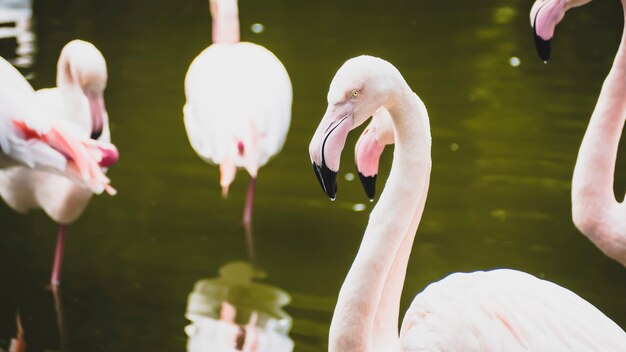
(369, 185)
(327, 179)
(318, 174)
(543, 46)
(95, 134)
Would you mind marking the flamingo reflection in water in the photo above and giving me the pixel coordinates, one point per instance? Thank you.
(234, 313)
(18, 344)
(16, 25)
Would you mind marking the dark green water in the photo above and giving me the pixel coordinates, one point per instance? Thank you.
(505, 140)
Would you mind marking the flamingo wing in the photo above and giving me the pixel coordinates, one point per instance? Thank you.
(16, 97)
(505, 310)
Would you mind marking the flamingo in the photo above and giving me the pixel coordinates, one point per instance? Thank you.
(497, 310)
(238, 107)
(78, 106)
(595, 210)
(28, 138)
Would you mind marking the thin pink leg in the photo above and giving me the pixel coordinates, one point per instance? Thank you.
(247, 211)
(58, 256)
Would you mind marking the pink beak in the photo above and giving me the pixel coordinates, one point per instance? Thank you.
(110, 155)
(367, 154)
(544, 17)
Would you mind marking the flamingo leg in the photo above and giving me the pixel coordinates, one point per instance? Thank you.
(247, 211)
(58, 256)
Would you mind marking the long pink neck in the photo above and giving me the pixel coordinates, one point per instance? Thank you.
(366, 315)
(595, 210)
(225, 16)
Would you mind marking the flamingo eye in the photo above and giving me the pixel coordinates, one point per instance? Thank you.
(355, 93)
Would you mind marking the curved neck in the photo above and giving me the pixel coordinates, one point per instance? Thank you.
(225, 16)
(366, 315)
(67, 77)
(592, 183)
(75, 103)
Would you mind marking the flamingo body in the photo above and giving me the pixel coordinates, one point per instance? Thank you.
(16, 97)
(505, 310)
(29, 138)
(237, 93)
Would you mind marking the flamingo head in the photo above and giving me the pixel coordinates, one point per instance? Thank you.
(545, 15)
(82, 65)
(358, 89)
(370, 147)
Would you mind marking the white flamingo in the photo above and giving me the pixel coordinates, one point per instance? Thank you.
(595, 210)
(498, 310)
(78, 107)
(28, 138)
(238, 106)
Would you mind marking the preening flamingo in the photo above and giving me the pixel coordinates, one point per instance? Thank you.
(497, 310)
(28, 138)
(238, 106)
(595, 210)
(77, 106)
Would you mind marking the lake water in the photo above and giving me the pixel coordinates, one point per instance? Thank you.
(506, 130)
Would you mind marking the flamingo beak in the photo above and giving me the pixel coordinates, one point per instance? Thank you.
(544, 16)
(110, 154)
(327, 144)
(367, 154)
(327, 179)
(97, 111)
(542, 46)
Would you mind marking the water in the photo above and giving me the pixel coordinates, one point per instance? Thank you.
(505, 137)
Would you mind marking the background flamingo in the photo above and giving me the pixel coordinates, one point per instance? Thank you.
(78, 106)
(480, 311)
(28, 138)
(595, 210)
(238, 106)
